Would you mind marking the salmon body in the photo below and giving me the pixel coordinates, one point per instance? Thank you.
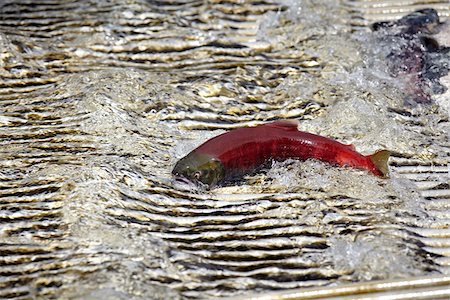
(414, 54)
(241, 151)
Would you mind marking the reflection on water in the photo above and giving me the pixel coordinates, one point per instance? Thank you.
(100, 100)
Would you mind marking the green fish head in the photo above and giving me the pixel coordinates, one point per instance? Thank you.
(201, 169)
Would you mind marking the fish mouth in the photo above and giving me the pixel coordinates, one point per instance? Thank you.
(190, 183)
(182, 179)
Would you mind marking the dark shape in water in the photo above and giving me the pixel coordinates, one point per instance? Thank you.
(244, 150)
(415, 54)
(421, 21)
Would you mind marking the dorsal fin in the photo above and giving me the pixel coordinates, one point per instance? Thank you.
(350, 146)
(284, 124)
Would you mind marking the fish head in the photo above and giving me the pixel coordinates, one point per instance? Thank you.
(421, 20)
(201, 169)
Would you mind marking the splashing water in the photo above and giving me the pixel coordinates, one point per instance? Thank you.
(99, 105)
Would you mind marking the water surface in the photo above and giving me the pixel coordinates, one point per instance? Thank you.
(100, 99)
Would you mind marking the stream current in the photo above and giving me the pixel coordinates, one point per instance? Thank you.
(99, 99)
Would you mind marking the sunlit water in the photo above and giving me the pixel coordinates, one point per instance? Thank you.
(95, 113)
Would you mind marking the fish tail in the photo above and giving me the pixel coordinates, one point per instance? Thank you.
(380, 160)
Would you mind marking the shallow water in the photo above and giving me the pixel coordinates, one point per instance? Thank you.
(99, 100)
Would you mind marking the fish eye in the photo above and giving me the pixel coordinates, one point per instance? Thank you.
(197, 175)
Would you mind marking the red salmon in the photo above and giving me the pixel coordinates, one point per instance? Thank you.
(241, 151)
